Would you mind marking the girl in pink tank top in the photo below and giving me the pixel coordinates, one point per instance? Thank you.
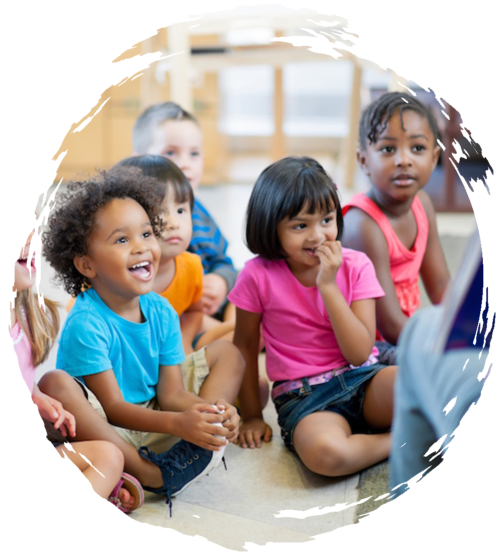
(394, 222)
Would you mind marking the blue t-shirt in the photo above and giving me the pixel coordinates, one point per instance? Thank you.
(95, 339)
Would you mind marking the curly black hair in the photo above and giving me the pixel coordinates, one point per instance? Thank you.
(376, 116)
(72, 219)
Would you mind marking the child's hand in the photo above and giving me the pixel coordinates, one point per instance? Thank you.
(214, 292)
(251, 433)
(196, 425)
(331, 258)
(52, 410)
(231, 421)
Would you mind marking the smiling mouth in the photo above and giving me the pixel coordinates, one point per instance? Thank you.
(142, 271)
(311, 252)
(23, 261)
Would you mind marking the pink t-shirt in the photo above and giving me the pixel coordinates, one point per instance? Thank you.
(21, 381)
(297, 332)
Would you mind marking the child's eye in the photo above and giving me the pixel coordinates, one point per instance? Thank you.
(181, 210)
(146, 234)
(299, 226)
(195, 153)
(169, 153)
(418, 148)
(122, 240)
(387, 149)
(328, 220)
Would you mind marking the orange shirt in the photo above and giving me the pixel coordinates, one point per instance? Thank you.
(186, 287)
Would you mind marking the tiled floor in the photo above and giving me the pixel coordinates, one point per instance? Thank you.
(265, 495)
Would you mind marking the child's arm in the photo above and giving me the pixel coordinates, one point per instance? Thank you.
(246, 338)
(215, 289)
(190, 324)
(363, 234)
(193, 424)
(209, 243)
(434, 270)
(354, 326)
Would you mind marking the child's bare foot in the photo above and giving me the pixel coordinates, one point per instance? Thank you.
(128, 501)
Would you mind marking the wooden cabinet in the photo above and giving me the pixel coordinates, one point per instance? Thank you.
(102, 136)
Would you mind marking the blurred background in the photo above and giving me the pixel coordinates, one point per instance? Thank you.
(259, 100)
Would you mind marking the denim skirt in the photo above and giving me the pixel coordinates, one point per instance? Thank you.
(343, 394)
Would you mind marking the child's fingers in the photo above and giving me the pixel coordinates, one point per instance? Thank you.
(70, 424)
(59, 420)
(212, 442)
(205, 408)
(268, 434)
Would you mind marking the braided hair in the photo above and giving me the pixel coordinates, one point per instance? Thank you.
(376, 116)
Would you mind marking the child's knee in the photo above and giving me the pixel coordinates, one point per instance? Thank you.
(327, 457)
(224, 350)
(54, 382)
(112, 455)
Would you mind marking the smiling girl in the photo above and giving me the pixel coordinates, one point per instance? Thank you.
(316, 303)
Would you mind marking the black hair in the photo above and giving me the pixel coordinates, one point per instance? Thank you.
(166, 171)
(72, 219)
(151, 117)
(376, 116)
(282, 190)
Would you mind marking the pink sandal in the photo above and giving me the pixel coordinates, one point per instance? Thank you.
(133, 486)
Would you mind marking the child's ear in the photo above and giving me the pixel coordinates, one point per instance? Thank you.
(435, 156)
(362, 160)
(84, 267)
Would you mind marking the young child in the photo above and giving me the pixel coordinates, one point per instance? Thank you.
(316, 303)
(180, 273)
(33, 330)
(123, 342)
(169, 130)
(394, 223)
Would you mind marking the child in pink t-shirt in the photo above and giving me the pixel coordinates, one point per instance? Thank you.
(316, 303)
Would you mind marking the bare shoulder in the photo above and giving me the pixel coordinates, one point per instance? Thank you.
(361, 232)
(427, 204)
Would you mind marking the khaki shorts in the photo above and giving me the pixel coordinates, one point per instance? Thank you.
(194, 372)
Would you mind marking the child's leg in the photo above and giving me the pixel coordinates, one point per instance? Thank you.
(378, 405)
(325, 443)
(225, 331)
(227, 367)
(102, 466)
(91, 426)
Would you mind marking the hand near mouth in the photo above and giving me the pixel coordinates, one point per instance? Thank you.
(331, 258)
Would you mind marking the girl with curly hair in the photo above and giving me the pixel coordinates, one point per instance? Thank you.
(122, 342)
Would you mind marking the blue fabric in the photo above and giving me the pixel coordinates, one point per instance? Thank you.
(427, 383)
(210, 245)
(95, 339)
(344, 395)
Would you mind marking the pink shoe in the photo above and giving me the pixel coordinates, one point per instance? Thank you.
(133, 486)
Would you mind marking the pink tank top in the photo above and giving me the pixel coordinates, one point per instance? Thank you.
(404, 264)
